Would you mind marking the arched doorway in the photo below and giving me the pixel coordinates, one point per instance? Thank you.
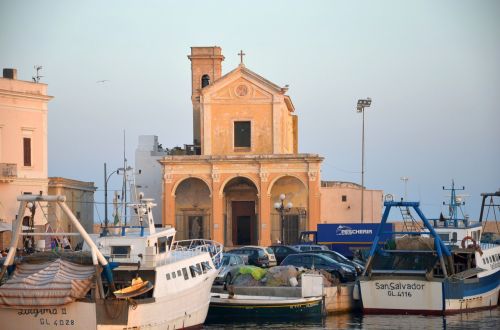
(241, 222)
(193, 208)
(288, 228)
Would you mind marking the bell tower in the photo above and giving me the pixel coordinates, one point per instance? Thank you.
(206, 67)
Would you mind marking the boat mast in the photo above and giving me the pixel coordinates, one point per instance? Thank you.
(454, 203)
(124, 187)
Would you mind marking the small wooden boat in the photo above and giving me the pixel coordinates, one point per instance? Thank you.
(137, 288)
(304, 302)
(244, 306)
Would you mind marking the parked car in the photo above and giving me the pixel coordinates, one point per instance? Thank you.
(340, 258)
(282, 251)
(343, 272)
(311, 247)
(257, 255)
(230, 266)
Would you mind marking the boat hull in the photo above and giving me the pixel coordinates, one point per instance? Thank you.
(402, 295)
(240, 307)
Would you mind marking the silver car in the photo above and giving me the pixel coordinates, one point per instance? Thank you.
(229, 269)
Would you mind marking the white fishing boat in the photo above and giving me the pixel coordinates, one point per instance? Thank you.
(159, 283)
(439, 269)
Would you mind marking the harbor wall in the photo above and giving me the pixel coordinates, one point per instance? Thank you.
(339, 299)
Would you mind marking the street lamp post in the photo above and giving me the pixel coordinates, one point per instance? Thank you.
(282, 209)
(362, 104)
(106, 179)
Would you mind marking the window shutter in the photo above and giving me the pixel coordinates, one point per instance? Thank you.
(27, 151)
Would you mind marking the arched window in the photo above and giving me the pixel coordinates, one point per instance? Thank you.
(205, 80)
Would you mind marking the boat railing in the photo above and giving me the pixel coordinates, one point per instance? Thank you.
(485, 246)
(201, 245)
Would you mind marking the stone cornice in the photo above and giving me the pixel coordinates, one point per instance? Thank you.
(71, 184)
(214, 159)
(23, 95)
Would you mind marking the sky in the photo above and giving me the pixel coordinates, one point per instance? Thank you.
(432, 69)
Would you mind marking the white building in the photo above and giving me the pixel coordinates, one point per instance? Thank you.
(148, 177)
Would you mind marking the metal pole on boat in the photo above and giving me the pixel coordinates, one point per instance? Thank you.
(105, 231)
(100, 288)
(15, 238)
(376, 239)
(87, 239)
(82, 231)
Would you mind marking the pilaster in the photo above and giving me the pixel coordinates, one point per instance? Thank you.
(168, 211)
(264, 210)
(217, 208)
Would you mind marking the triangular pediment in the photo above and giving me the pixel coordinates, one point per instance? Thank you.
(242, 89)
(242, 83)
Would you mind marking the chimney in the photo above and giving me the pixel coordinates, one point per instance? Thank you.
(10, 73)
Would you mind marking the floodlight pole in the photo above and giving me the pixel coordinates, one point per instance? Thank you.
(362, 103)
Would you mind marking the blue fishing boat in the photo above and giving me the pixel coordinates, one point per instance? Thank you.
(435, 267)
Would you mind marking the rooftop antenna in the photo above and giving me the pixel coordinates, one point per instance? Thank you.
(36, 79)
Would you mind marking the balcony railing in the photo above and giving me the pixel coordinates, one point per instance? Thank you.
(8, 172)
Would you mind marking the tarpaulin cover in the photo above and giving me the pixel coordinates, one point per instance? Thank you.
(256, 272)
(46, 284)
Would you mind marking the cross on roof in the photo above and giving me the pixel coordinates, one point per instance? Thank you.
(241, 56)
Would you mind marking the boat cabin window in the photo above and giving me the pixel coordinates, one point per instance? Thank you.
(174, 275)
(475, 235)
(162, 244)
(185, 273)
(179, 273)
(444, 237)
(168, 276)
(120, 251)
(454, 237)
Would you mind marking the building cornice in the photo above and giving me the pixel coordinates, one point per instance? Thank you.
(59, 182)
(214, 159)
(24, 95)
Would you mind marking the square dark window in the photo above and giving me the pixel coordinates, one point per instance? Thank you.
(344, 198)
(242, 134)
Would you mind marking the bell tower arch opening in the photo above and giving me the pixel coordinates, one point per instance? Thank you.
(205, 80)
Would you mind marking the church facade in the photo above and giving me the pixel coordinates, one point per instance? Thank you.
(245, 140)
